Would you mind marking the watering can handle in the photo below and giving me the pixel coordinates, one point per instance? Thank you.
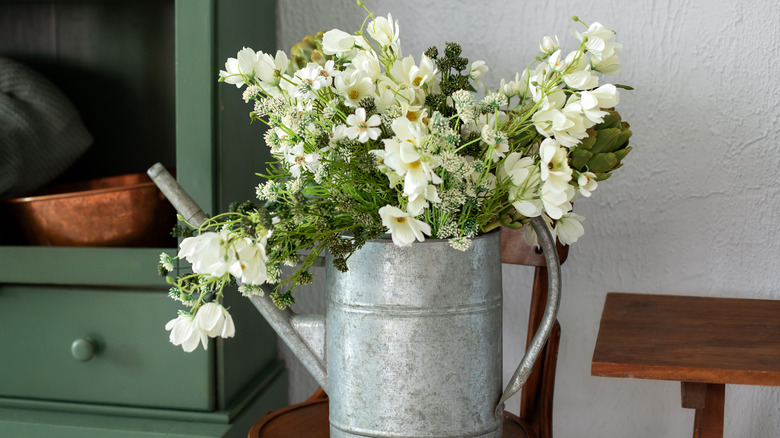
(304, 334)
(548, 318)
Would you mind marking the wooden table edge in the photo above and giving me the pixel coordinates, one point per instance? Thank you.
(685, 374)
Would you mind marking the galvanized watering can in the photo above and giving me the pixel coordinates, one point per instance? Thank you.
(411, 342)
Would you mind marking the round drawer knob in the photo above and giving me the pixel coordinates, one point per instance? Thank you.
(83, 349)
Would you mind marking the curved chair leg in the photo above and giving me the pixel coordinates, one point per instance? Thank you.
(545, 418)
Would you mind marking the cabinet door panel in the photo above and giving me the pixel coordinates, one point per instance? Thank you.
(122, 354)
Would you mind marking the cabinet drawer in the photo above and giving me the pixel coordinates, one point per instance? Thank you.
(133, 364)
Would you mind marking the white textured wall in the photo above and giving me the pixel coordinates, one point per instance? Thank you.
(695, 208)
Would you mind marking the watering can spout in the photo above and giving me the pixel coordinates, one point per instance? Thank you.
(303, 334)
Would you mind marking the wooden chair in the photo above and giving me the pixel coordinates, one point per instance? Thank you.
(309, 419)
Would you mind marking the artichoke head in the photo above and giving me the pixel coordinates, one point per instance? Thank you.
(307, 50)
(604, 149)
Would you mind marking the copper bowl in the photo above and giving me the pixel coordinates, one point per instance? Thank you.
(125, 210)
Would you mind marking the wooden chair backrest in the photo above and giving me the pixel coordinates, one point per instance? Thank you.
(537, 393)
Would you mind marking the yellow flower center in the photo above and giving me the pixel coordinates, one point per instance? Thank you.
(414, 164)
(400, 220)
(354, 94)
(412, 116)
(417, 80)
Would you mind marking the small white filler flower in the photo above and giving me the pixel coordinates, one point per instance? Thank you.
(362, 129)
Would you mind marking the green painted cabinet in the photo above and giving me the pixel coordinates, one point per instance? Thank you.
(85, 353)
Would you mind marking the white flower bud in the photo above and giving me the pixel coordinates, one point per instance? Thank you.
(478, 69)
(549, 46)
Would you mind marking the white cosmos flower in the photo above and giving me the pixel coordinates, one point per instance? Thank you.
(516, 167)
(339, 132)
(509, 88)
(362, 129)
(605, 96)
(536, 80)
(569, 228)
(402, 227)
(587, 183)
(556, 203)
(241, 69)
(418, 78)
(270, 69)
(310, 81)
(354, 85)
(556, 63)
(409, 132)
(525, 196)
(529, 234)
(568, 125)
(401, 155)
(385, 32)
(581, 80)
(406, 161)
(413, 112)
(249, 267)
(418, 201)
(300, 161)
(597, 36)
(607, 62)
(214, 320)
(523, 174)
(329, 72)
(554, 164)
(531, 207)
(186, 333)
(387, 90)
(579, 75)
(477, 71)
(337, 42)
(207, 253)
(554, 100)
(367, 62)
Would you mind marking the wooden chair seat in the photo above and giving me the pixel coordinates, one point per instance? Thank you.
(309, 419)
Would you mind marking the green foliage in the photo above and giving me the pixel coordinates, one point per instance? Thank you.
(604, 149)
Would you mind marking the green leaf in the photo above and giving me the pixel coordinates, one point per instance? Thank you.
(620, 154)
(602, 163)
(579, 158)
(611, 120)
(606, 141)
(587, 144)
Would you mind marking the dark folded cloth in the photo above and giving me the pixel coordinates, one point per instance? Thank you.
(41, 133)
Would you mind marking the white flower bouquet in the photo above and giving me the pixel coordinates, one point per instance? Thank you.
(367, 141)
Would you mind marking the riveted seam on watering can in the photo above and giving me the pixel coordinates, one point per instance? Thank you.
(415, 311)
